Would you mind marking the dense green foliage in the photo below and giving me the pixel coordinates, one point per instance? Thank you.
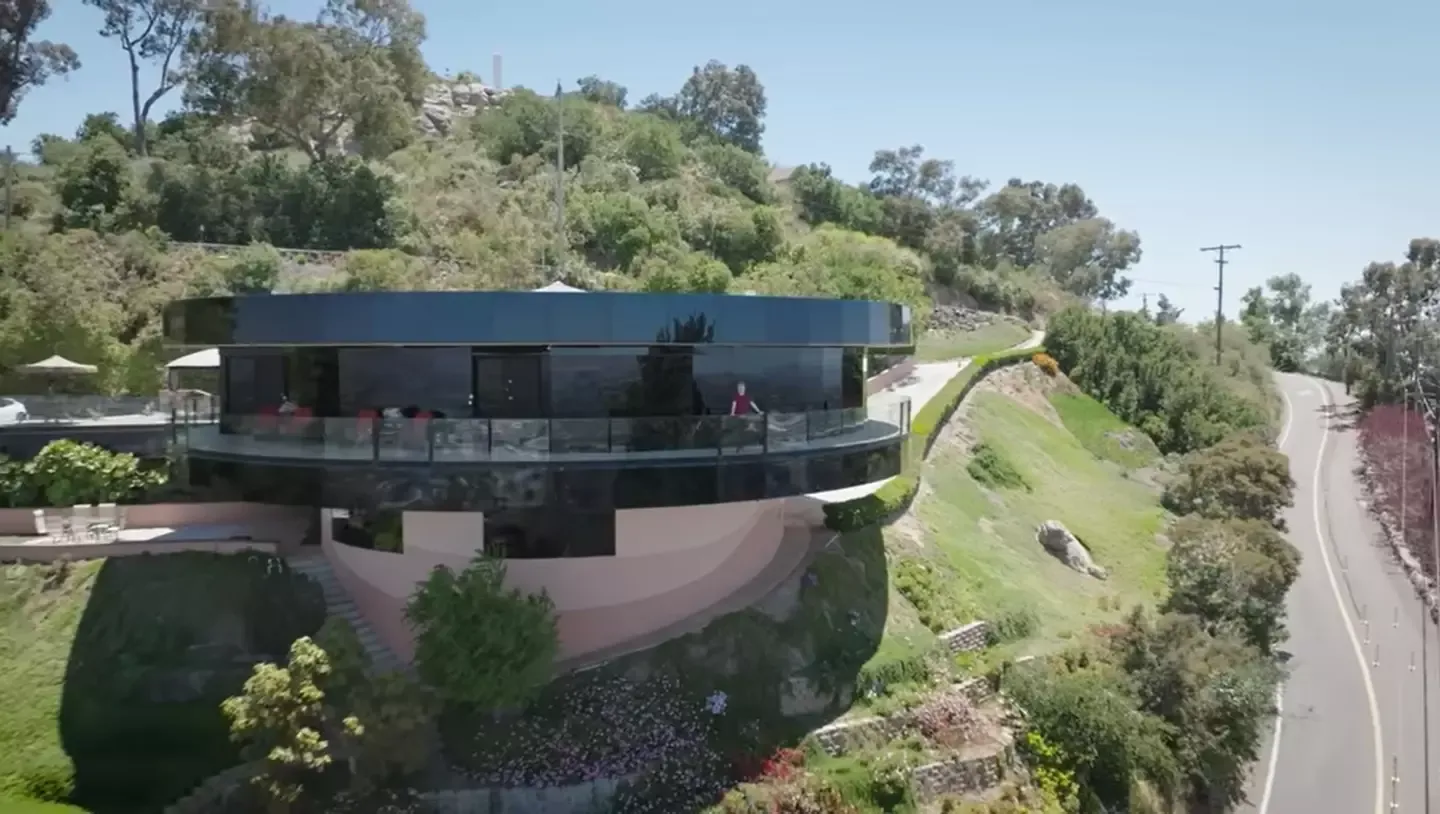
(69, 473)
(1241, 477)
(479, 643)
(672, 194)
(1173, 706)
(1385, 327)
(322, 721)
(1148, 376)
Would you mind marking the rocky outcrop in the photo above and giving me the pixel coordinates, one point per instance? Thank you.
(447, 101)
(1067, 548)
(959, 319)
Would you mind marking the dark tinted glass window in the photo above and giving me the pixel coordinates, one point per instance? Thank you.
(549, 534)
(593, 382)
(434, 379)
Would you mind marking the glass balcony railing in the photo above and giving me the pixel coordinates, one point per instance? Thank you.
(458, 440)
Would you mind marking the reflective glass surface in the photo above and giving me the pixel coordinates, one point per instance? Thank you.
(300, 437)
(514, 317)
(528, 382)
(544, 486)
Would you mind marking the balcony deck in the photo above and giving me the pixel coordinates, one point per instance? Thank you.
(471, 441)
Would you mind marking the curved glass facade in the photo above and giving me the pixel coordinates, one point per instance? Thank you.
(530, 382)
(515, 317)
(521, 403)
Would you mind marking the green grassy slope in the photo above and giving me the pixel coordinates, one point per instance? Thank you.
(979, 542)
(112, 671)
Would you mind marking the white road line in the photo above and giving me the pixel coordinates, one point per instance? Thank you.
(1269, 786)
(1364, 666)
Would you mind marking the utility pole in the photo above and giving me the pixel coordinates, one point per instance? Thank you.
(561, 242)
(1433, 431)
(9, 182)
(1220, 262)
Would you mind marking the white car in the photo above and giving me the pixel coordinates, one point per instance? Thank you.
(12, 412)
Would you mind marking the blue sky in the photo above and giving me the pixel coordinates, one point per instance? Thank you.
(1304, 131)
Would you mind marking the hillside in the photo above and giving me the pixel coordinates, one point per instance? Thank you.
(113, 671)
(447, 184)
(1025, 449)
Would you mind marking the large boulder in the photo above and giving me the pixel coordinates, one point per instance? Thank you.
(1067, 548)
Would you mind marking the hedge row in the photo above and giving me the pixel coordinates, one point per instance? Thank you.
(894, 497)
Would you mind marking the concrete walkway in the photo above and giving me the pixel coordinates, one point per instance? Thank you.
(920, 387)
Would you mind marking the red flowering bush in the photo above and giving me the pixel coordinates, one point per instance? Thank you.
(1397, 451)
(948, 719)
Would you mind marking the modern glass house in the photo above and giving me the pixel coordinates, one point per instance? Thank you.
(622, 448)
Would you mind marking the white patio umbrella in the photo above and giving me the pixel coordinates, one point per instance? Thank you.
(207, 359)
(56, 367)
(59, 365)
(558, 287)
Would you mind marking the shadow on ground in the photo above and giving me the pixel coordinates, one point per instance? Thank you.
(694, 716)
(161, 642)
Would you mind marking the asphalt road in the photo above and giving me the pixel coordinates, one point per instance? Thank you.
(1353, 703)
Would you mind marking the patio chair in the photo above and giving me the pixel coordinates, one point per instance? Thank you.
(107, 520)
(81, 516)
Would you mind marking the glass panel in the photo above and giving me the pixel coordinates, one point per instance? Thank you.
(786, 430)
(519, 438)
(579, 435)
(351, 439)
(549, 533)
(461, 439)
(402, 439)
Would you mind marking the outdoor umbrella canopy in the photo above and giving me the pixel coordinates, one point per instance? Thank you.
(207, 359)
(58, 365)
(558, 287)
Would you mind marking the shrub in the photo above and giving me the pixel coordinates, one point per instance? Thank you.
(920, 584)
(1047, 363)
(479, 643)
(1242, 477)
(1232, 574)
(67, 472)
(948, 719)
(1150, 378)
(1399, 459)
(989, 467)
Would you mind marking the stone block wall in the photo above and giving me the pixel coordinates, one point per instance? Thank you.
(974, 636)
(846, 736)
(582, 798)
(959, 775)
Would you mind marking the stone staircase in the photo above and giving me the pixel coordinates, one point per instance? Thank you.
(339, 604)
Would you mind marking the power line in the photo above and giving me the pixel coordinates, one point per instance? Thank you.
(1219, 293)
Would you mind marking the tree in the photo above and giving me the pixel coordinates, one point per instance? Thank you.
(25, 64)
(1242, 477)
(1232, 574)
(1165, 311)
(149, 31)
(602, 91)
(360, 61)
(1215, 695)
(322, 711)
(479, 643)
(282, 718)
(724, 103)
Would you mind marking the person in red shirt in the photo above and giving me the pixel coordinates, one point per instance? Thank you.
(742, 404)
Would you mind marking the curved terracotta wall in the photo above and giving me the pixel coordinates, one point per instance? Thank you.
(669, 564)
